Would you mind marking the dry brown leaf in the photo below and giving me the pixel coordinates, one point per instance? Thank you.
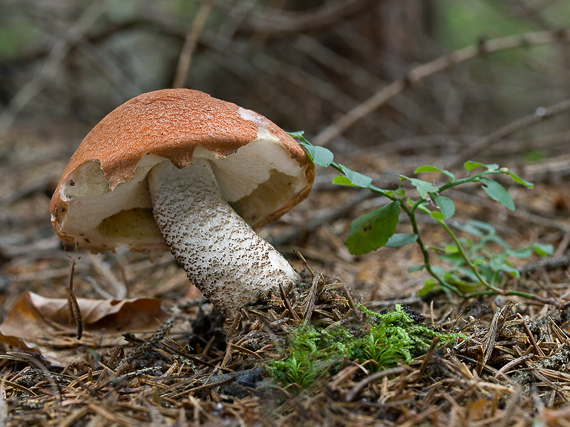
(40, 324)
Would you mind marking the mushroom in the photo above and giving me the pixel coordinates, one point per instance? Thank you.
(178, 170)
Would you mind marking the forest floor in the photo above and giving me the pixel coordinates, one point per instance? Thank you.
(157, 354)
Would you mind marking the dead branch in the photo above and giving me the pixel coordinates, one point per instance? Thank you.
(420, 72)
(190, 43)
(519, 213)
(540, 114)
(57, 53)
(119, 290)
(279, 21)
(554, 167)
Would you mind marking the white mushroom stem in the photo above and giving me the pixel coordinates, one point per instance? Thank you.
(219, 251)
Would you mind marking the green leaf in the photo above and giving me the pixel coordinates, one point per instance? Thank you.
(356, 178)
(468, 228)
(498, 260)
(400, 193)
(372, 230)
(468, 273)
(401, 239)
(439, 271)
(454, 279)
(498, 193)
(423, 187)
(542, 249)
(429, 168)
(455, 258)
(445, 204)
(428, 286)
(342, 180)
(481, 225)
(520, 253)
(469, 165)
(438, 216)
(519, 180)
(467, 288)
(510, 270)
(299, 136)
(451, 249)
(322, 156)
(415, 268)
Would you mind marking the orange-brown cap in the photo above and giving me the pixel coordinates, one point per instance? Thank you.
(102, 200)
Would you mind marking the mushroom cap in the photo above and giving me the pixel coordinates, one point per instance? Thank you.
(102, 200)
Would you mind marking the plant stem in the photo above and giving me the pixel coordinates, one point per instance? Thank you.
(474, 178)
(467, 260)
(557, 304)
(425, 252)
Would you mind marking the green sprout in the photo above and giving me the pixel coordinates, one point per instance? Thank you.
(476, 269)
(490, 265)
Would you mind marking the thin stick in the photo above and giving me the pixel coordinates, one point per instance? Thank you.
(302, 258)
(69, 286)
(311, 299)
(429, 354)
(540, 114)
(512, 363)
(371, 378)
(72, 305)
(512, 407)
(192, 37)
(56, 56)
(530, 335)
(348, 297)
(119, 288)
(210, 385)
(420, 72)
(287, 302)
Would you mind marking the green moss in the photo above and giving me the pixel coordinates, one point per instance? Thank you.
(387, 339)
(311, 352)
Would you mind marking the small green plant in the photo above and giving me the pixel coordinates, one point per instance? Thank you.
(476, 268)
(492, 265)
(391, 337)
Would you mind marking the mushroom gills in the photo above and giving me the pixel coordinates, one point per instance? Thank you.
(219, 251)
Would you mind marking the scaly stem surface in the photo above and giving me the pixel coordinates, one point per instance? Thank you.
(219, 251)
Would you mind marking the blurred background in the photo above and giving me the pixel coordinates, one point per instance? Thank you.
(306, 65)
(301, 63)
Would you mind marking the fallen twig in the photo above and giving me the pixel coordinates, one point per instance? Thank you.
(420, 72)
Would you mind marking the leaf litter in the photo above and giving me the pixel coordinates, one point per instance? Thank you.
(40, 324)
(190, 368)
(500, 363)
